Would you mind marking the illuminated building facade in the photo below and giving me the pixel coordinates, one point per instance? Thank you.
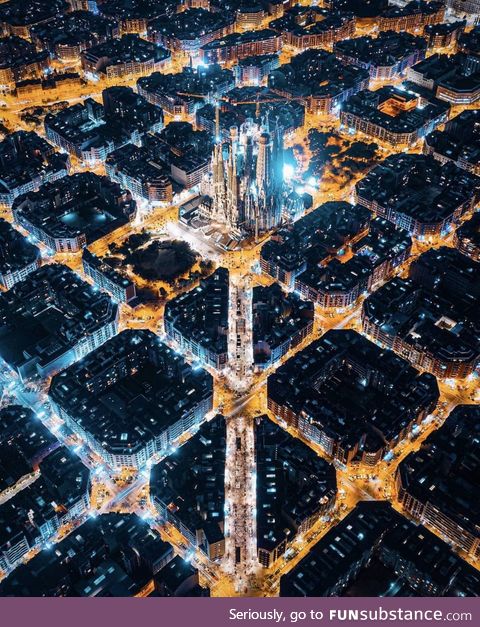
(120, 287)
(240, 46)
(412, 17)
(312, 27)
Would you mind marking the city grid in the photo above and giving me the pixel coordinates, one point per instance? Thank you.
(239, 298)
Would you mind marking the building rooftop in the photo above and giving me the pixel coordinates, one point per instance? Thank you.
(241, 103)
(309, 20)
(127, 49)
(445, 472)
(123, 116)
(470, 42)
(342, 385)
(412, 8)
(201, 315)
(385, 50)
(124, 10)
(65, 476)
(277, 318)
(178, 579)
(316, 73)
(317, 236)
(395, 110)
(211, 80)
(189, 25)
(24, 443)
(237, 39)
(444, 28)
(31, 512)
(383, 242)
(189, 485)
(418, 187)
(435, 311)
(178, 144)
(17, 14)
(112, 555)
(456, 73)
(27, 158)
(367, 8)
(143, 165)
(79, 28)
(130, 391)
(82, 205)
(294, 485)
(112, 275)
(16, 52)
(468, 237)
(259, 60)
(16, 252)
(332, 558)
(375, 530)
(459, 141)
(46, 315)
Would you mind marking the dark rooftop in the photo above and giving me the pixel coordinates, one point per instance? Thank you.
(317, 236)
(201, 315)
(79, 205)
(195, 498)
(387, 49)
(36, 511)
(48, 316)
(79, 28)
(18, 13)
(128, 49)
(142, 389)
(375, 530)
(189, 25)
(27, 160)
(445, 472)
(395, 111)
(468, 237)
(24, 442)
(278, 318)
(16, 252)
(382, 244)
(294, 486)
(341, 386)
(434, 312)
(459, 141)
(418, 191)
(112, 555)
(316, 73)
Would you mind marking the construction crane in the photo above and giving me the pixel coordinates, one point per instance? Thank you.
(258, 101)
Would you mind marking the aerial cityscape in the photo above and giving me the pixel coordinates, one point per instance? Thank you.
(240, 298)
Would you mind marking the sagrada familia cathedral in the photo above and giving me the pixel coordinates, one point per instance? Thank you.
(247, 190)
